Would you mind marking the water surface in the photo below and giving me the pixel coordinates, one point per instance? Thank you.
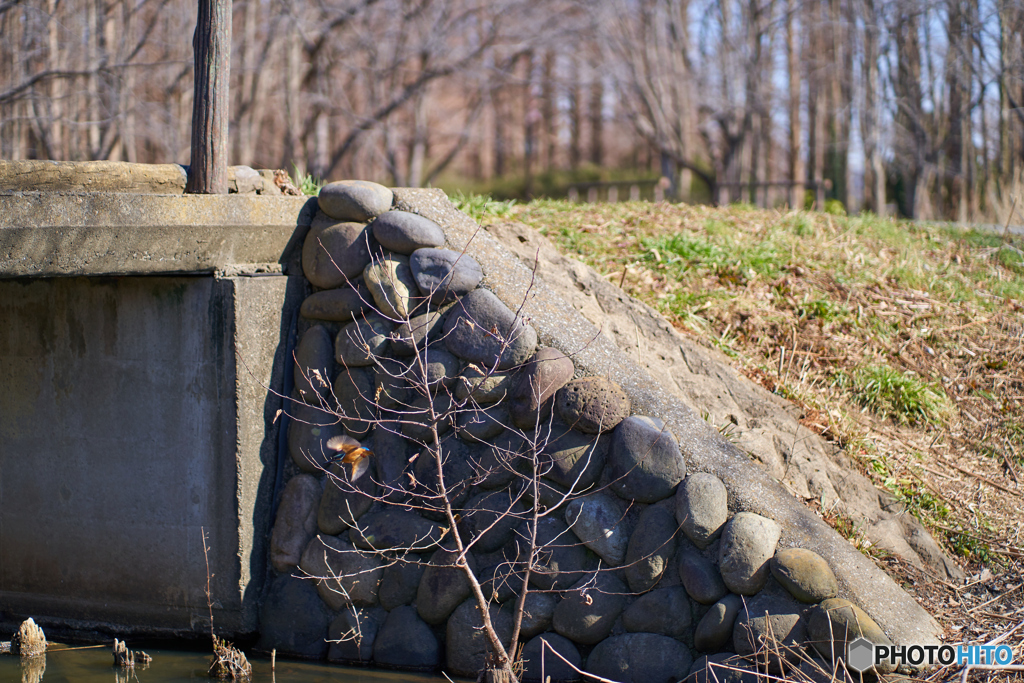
(175, 666)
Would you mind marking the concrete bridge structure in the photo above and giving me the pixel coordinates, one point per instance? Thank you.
(142, 348)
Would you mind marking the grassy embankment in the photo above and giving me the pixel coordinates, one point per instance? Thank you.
(902, 342)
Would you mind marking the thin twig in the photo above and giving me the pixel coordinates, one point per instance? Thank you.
(986, 480)
(209, 598)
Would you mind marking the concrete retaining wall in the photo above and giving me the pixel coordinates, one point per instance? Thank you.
(137, 410)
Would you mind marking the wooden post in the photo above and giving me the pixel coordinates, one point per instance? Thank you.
(208, 170)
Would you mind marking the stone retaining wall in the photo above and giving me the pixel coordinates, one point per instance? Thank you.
(658, 543)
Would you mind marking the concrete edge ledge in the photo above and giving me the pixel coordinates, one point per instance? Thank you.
(750, 489)
(46, 234)
(32, 175)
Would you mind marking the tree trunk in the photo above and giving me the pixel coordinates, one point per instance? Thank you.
(815, 112)
(418, 146)
(208, 170)
(874, 176)
(796, 152)
(575, 116)
(290, 77)
(54, 140)
(548, 110)
(245, 107)
(597, 120)
(913, 140)
(497, 103)
(1007, 148)
(530, 118)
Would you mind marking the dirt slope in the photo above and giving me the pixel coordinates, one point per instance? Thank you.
(764, 425)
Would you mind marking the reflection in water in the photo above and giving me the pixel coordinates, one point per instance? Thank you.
(33, 668)
(179, 666)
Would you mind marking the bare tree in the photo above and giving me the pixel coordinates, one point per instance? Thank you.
(480, 470)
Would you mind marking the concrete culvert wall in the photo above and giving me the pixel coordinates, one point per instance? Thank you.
(439, 379)
(142, 348)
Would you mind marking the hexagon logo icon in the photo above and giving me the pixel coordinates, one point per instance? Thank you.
(860, 654)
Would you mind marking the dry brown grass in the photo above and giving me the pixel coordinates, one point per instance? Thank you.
(903, 343)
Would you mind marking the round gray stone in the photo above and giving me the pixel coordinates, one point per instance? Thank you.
(651, 549)
(714, 629)
(457, 469)
(352, 633)
(343, 503)
(293, 619)
(748, 543)
(572, 458)
(411, 334)
(466, 643)
(425, 412)
(481, 424)
(551, 494)
(445, 275)
(644, 460)
(483, 386)
(592, 404)
(360, 342)
(354, 200)
(491, 517)
(339, 305)
(834, 623)
(354, 390)
(295, 523)
(723, 667)
(589, 609)
(483, 330)
(334, 254)
(392, 286)
(403, 232)
(600, 521)
(702, 507)
(769, 624)
(561, 560)
(538, 611)
(532, 397)
(404, 641)
(554, 669)
(309, 430)
(640, 658)
(663, 610)
(393, 528)
(434, 367)
(391, 391)
(700, 577)
(495, 464)
(443, 587)
(805, 574)
(501, 582)
(399, 584)
(391, 457)
(314, 365)
(343, 575)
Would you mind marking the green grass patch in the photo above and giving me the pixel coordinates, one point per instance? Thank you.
(969, 546)
(1011, 258)
(902, 396)
(825, 310)
(307, 183)
(482, 208)
(684, 248)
